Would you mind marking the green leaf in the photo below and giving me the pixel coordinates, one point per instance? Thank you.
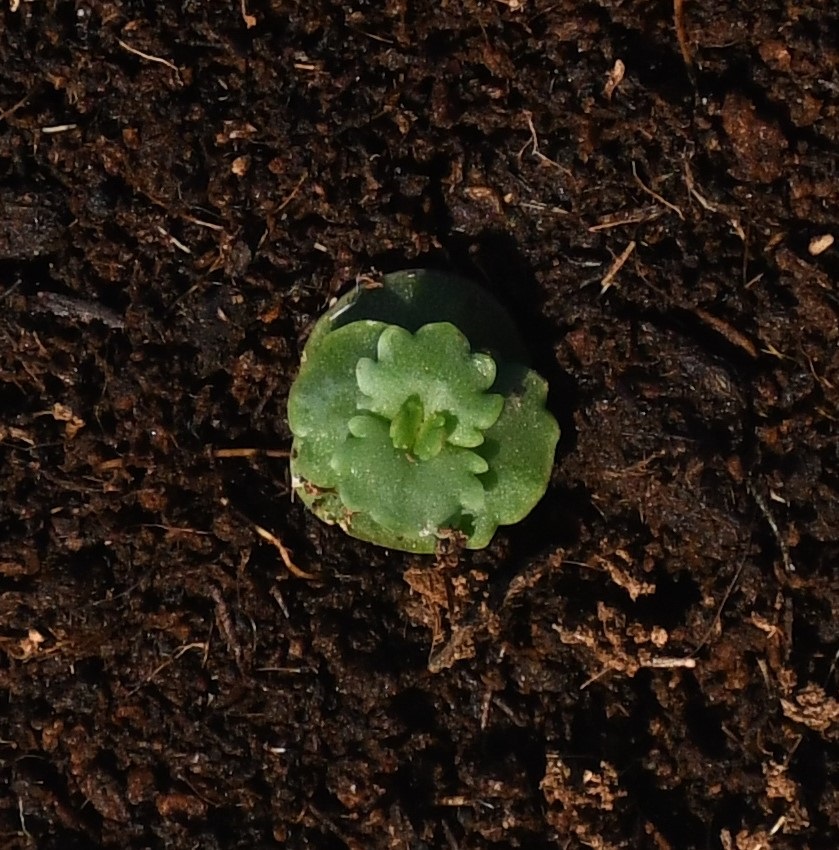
(437, 366)
(324, 398)
(519, 450)
(406, 496)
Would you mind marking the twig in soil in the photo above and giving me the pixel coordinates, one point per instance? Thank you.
(773, 352)
(173, 529)
(458, 800)
(284, 553)
(23, 830)
(250, 20)
(616, 266)
(7, 292)
(74, 308)
(201, 223)
(280, 600)
(290, 197)
(294, 671)
(710, 206)
(832, 669)
(773, 524)
(331, 826)
(614, 79)
(183, 296)
(665, 663)
(181, 650)
(148, 56)
(717, 617)
(725, 330)
(682, 36)
(655, 195)
(650, 213)
(534, 141)
(109, 600)
(14, 108)
(539, 206)
(489, 693)
(370, 35)
(176, 242)
(668, 663)
(213, 803)
(777, 825)
(58, 128)
(252, 452)
(225, 625)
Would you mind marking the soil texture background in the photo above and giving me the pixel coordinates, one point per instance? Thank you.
(188, 659)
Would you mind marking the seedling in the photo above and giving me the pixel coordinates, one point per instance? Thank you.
(414, 415)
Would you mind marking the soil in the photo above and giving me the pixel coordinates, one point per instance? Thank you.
(188, 659)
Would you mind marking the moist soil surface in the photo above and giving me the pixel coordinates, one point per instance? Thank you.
(188, 658)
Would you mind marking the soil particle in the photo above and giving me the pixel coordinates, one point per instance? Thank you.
(758, 144)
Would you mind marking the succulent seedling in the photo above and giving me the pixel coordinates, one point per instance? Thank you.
(414, 415)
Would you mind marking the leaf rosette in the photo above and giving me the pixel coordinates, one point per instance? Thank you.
(407, 430)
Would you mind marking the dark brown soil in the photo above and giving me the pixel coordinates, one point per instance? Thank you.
(649, 660)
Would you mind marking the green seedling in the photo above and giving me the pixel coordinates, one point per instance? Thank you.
(414, 416)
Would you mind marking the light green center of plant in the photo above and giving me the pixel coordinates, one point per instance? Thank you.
(420, 435)
(431, 387)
